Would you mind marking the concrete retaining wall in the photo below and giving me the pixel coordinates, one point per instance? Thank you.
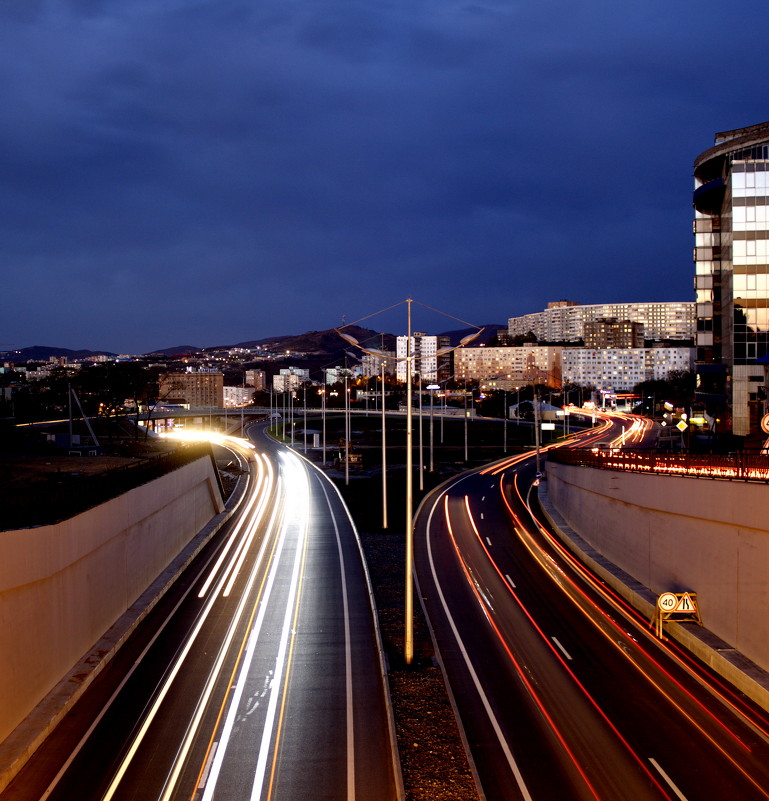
(678, 534)
(63, 586)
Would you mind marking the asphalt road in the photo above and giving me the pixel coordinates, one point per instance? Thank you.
(561, 690)
(258, 676)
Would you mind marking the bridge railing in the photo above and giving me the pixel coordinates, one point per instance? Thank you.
(739, 466)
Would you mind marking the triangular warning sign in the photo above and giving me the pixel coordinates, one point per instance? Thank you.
(686, 604)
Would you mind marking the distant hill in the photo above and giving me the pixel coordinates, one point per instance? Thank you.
(178, 350)
(324, 342)
(316, 345)
(488, 333)
(41, 353)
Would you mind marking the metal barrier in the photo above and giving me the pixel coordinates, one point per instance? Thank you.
(738, 466)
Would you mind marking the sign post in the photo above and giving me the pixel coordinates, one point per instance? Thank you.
(681, 607)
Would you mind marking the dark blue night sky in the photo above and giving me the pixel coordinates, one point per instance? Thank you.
(213, 171)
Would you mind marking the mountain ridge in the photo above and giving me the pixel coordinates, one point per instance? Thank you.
(311, 342)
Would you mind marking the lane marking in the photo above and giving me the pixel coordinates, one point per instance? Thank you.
(562, 649)
(512, 583)
(347, 656)
(245, 665)
(501, 739)
(488, 541)
(667, 779)
(203, 700)
(290, 658)
(207, 766)
(281, 664)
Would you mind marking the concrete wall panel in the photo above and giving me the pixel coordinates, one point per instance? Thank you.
(676, 534)
(63, 586)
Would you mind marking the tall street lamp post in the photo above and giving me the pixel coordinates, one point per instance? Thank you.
(384, 452)
(504, 425)
(431, 389)
(409, 360)
(421, 436)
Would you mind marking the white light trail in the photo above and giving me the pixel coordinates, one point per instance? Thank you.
(217, 668)
(300, 486)
(146, 724)
(293, 469)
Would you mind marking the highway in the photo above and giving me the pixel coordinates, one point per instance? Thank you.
(257, 676)
(563, 691)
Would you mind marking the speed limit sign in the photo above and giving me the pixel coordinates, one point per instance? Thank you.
(667, 602)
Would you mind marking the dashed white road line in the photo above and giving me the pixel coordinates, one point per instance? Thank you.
(667, 779)
(561, 648)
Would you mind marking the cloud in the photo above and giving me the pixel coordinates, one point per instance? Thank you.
(190, 163)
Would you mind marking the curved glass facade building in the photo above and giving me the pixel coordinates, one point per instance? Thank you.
(731, 255)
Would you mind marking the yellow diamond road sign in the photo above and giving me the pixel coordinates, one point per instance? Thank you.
(681, 426)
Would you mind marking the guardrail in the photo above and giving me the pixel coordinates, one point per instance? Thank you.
(738, 466)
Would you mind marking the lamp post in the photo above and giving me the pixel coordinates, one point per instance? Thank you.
(465, 399)
(409, 360)
(346, 431)
(323, 414)
(421, 436)
(504, 429)
(384, 452)
(431, 389)
(536, 428)
(408, 648)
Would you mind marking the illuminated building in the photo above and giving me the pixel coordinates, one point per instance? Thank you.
(196, 388)
(731, 255)
(620, 369)
(238, 396)
(608, 369)
(371, 365)
(613, 333)
(564, 321)
(256, 379)
(290, 378)
(426, 361)
(510, 367)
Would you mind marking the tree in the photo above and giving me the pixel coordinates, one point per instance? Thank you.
(678, 388)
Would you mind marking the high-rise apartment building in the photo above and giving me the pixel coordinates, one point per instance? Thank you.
(238, 396)
(565, 321)
(194, 387)
(613, 333)
(371, 365)
(510, 367)
(731, 255)
(256, 379)
(427, 362)
(620, 369)
(606, 369)
(290, 378)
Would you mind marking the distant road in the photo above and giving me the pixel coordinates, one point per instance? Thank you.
(562, 691)
(258, 676)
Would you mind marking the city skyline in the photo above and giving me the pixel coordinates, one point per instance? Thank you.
(220, 173)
